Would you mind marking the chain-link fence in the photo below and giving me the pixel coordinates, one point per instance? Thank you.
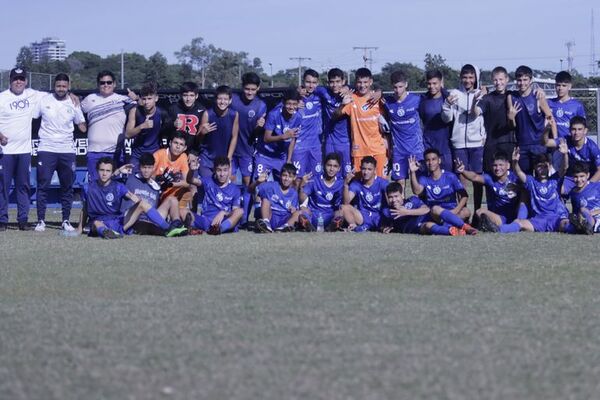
(36, 80)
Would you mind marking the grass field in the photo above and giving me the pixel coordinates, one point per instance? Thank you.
(290, 316)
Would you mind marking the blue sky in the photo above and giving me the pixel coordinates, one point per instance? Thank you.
(508, 32)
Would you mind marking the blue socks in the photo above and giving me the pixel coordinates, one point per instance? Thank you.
(452, 219)
(225, 226)
(101, 230)
(440, 230)
(154, 216)
(510, 228)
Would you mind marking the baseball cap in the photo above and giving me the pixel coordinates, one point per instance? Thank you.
(17, 73)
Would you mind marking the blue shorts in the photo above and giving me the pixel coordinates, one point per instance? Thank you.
(116, 224)
(308, 160)
(243, 164)
(203, 222)
(546, 223)
(370, 221)
(400, 165)
(267, 164)
(278, 220)
(471, 157)
(327, 217)
(344, 152)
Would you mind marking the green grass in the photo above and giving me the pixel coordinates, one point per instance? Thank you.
(283, 316)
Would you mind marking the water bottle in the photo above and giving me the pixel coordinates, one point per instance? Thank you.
(320, 224)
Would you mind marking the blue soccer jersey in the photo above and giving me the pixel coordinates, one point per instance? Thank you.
(530, 120)
(408, 223)
(216, 143)
(589, 153)
(544, 196)
(563, 112)
(441, 192)
(219, 198)
(312, 124)
(148, 140)
(249, 113)
(281, 203)
(337, 131)
(588, 197)
(369, 198)
(405, 125)
(278, 124)
(436, 132)
(502, 197)
(104, 202)
(323, 198)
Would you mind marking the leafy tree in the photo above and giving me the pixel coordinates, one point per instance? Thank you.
(25, 58)
(451, 76)
(414, 74)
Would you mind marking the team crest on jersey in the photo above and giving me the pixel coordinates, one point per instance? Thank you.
(401, 112)
(530, 108)
(275, 197)
(543, 190)
(583, 203)
(251, 114)
(308, 105)
(348, 168)
(365, 107)
(220, 196)
(110, 197)
(369, 197)
(329, 196)
(249, 167)
(318, 168)
(288, 204)
(560, 112)
(408, 205)
(437, 190)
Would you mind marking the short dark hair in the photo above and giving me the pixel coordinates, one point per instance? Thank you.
(563, 77)
(195, 152)
(149, 88)
(393, 187)
(178, 135)
(468, 69)
(310, 72)
(432, 150)
(523, 70)
(433, 73)
(501, 155)
(188, 87)
(105, 73)
(363, 73)
(368, 160)
(289, 168)
(499, 70)
(61, 77)
(579, 167)
(105, 160)
(335, 73)
(147, 159)
(578, 120)
(333, 156)
(398, 76)
(221, 160)
(291, 94)
(250, 78)
(541, 158)
(223, 89)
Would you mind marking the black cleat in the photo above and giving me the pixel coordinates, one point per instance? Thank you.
(214, 230)
(336, 225)
(304, 224)
(285, 228)
(24, 226)
(3, 227)
(110, 234)
(263, 226)
(487, 225)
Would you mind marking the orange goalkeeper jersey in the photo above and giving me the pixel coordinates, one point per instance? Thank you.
(364, 127)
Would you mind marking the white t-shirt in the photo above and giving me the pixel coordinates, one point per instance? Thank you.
(56, 129)
(16, 113)
(106, 120)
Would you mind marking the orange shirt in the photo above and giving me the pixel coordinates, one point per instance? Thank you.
(364, 127)
(179, 166)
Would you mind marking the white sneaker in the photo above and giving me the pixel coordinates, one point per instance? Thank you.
(40, 227)
(66, 226)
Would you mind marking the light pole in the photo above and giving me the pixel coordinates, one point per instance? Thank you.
(561, 60)
(271, 66)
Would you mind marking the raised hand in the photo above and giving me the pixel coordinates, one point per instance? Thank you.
(562, 146)
(513, 110)
(350, 176)
(413, 164)
(516, 155)
(459, 166)
(305, 179)
(261, 121)
(208, 127)
(290, 133)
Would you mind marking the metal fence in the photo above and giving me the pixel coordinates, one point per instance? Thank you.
(36, 80)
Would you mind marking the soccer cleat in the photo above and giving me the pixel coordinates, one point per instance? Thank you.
(188, 221)
(175, 231)
(110, 234)
(304, 224)
(576, 222)
(336, 225)
(66, 226)
(469, 230)
(263, 226)
(40, 227)
(487, 225)
(3, 227)
(24, 226)
(285, 228)
(195, 232)
(214, 230)
(454, 231)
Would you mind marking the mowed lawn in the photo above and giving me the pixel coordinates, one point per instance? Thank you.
(290, 316)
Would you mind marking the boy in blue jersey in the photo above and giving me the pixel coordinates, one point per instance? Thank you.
(501, 191)
(221, 207)
(402, 113)
(527, 112)
(436, 132)
(102, 207)
(585, 199)
(336, 132)
(443, 193)
(563, 106)
(282, 127)
(307, 155)
(221, 133)
(321, 197)
(402, 215)
(364, 198)
(549, 214)
(580, 149)
(147, 189)
(278, 201)
(147, 124)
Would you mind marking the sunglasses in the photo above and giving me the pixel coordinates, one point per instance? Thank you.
(101, 83)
